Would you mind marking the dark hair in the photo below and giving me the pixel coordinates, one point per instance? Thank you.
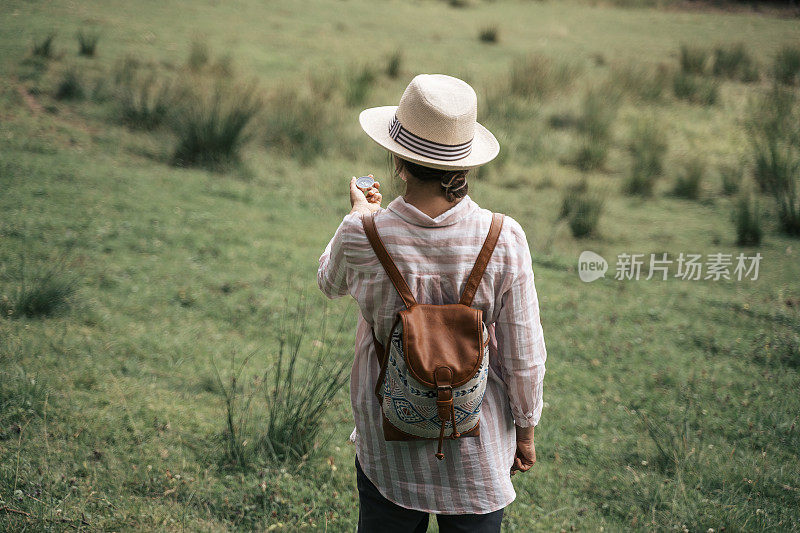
(453, 182)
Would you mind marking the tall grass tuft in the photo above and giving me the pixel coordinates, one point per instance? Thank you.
(70, 87)
(126, 70)
(359, 86)
(42, 291)
(786, 65)
(673, 441)
(735, 62)
(297, 389)
(300, 391)
(22, 397)
(489, 34)
(87, 42)
(774, 129)
(538, 76)
(599, 110)
(199, 55)
(581, 209)
(688, 182)
(641, 83)
(393, 64)
(145, 102)
(298, 125)
(44, 48)
(779, 348)
(693, 59)
(647, 147)
(747, 221)
(212, 128)
(731, 178)
(695, 89)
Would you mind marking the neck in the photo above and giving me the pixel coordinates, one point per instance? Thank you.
(427, 197)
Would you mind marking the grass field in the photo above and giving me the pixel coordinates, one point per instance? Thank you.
(135, 267)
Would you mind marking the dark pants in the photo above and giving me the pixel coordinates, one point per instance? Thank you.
(376, 514)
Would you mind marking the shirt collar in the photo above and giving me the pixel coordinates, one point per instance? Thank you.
(412, 215)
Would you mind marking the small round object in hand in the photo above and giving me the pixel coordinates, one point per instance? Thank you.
(364, 183)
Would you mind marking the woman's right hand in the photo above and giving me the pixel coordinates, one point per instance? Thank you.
(525, 456)
(365, 202)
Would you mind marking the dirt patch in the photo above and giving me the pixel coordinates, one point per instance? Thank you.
(29, 100)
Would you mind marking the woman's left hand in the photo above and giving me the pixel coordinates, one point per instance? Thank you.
(365, 203)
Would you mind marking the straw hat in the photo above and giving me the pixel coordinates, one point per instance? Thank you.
(434, 125)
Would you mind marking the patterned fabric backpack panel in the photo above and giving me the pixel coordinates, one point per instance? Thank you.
(411, 406)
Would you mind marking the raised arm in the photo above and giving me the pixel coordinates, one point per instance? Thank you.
(332, 272)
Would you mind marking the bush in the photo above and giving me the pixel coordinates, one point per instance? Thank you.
(731, 176)
(359, 85)
(41, 292)
(734, 62)
(695, 89)
(489, 34)
(71, 86)
(537, 76)
(693, 59)
(786, 66)
(393, 64)
(87, 43)
(212, 127)
(647, 147)
(145, 102)
(297, 391)
(687, 183)
(747, 221)
(44, 48)
(298, 125)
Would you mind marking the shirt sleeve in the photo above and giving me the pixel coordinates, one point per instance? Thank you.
(520, 340)
(333, 263)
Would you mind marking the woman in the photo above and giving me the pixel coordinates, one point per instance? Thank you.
(434, 232)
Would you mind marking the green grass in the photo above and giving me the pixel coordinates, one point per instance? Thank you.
(670, 404)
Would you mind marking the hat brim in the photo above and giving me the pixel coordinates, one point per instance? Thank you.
(375, 123)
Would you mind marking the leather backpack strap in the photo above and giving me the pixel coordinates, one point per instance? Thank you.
(474, 279)
(386, 260)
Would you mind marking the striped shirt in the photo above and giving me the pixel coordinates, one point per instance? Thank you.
(435, 256)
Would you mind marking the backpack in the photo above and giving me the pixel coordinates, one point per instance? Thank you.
(435, 363)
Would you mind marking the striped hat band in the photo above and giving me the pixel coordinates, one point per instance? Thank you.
(426, 147)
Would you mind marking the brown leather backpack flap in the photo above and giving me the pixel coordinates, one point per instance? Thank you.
(448, 335)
